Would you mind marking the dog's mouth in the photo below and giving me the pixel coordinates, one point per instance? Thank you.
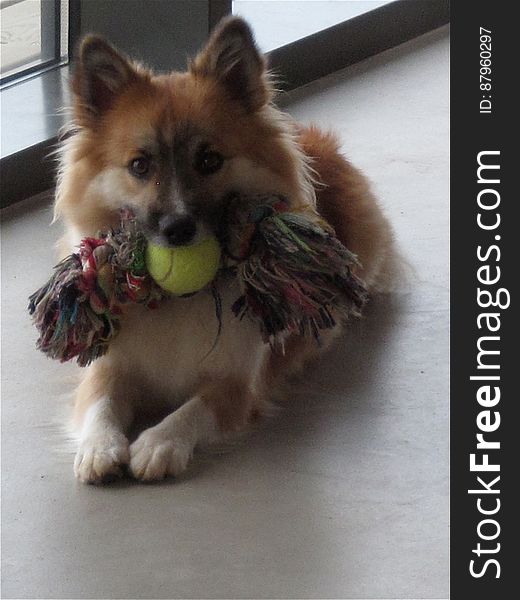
(170, 231)
(227, 220)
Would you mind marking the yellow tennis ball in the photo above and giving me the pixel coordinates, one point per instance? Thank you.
(184, 269)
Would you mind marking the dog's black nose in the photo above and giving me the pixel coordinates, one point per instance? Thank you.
(178, 230)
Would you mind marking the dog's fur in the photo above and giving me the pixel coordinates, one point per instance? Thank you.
(223, 102)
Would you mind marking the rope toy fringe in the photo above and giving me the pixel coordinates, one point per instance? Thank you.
(78, 311)
(295, 276)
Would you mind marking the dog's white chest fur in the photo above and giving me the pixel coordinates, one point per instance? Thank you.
(172, 347)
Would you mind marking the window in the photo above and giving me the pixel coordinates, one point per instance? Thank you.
(280, 22)
(305, 39)
(33, 36)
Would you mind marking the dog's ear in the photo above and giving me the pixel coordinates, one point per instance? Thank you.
(100, 75)
(232, 57)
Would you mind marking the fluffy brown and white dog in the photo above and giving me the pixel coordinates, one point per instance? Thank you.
(172, 148)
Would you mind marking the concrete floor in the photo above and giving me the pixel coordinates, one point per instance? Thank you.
(345, 492)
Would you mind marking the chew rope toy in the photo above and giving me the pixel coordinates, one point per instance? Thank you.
(78, 311)
(295, 276)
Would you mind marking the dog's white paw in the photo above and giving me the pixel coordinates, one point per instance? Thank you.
(154, 455)
(101, 457)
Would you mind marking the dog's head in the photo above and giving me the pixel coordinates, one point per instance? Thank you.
(173, 147)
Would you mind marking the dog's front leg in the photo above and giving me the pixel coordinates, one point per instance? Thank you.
(103, 411)
(219, 407)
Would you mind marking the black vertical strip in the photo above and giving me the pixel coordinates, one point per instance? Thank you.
(57, 30)
(74, 27)
(484, 257)
(48, 27)
(217, 10)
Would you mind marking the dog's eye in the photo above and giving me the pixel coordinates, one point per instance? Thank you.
(140, 166)
(208, 161)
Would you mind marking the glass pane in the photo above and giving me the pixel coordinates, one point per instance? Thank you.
(28, 37)
(280, 22)
(21, 34)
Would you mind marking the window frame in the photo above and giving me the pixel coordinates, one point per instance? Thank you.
(413, 17)
(50, 25)
(309, 58)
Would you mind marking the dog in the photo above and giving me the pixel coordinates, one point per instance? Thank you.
(172, 148)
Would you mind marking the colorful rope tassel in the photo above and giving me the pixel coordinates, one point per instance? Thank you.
(295, 277)
(78, 311)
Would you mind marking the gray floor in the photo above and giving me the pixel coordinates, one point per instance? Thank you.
(345, 492)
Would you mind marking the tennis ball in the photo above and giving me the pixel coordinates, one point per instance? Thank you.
(184, 269)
